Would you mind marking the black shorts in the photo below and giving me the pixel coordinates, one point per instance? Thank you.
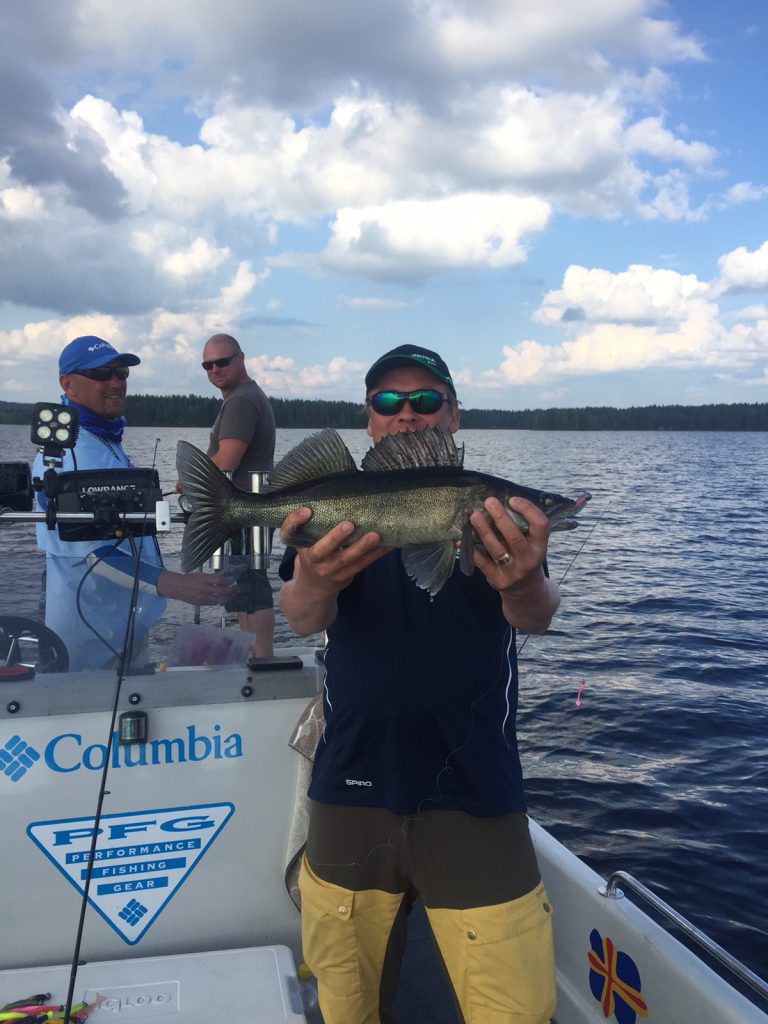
(254, 591)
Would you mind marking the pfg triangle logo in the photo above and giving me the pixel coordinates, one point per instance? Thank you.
(141, 858)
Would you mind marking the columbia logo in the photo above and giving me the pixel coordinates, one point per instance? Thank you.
(133, 911)
(95, 348)
(16, 758)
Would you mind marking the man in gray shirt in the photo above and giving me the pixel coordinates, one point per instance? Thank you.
(243, 441)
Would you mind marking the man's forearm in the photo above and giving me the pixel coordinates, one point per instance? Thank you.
(531, 604)
(307, 611)
(229, 454)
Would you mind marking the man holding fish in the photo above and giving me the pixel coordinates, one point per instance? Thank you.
(420, 571)
(417, 787)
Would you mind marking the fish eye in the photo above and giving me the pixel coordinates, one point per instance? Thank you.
(548, 500)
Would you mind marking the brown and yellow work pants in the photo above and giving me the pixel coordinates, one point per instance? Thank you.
(486, 906)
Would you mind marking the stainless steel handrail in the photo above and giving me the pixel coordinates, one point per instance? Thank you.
(611, 891)
(160, 516)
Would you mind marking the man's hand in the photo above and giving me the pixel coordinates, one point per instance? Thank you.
(322, 570)
(513, 562)
(327, 565)
(198, 588)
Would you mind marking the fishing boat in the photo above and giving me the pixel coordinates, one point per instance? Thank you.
(186, 795)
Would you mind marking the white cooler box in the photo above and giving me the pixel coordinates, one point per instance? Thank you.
(239, 986)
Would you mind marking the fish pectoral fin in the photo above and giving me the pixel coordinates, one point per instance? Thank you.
(467, 560)
(429, 565)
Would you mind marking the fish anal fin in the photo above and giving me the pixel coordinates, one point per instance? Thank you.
(430, 565)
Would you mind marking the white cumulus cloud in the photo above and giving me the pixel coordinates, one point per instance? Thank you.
(743, 271)
(416, 238)
(639, 293)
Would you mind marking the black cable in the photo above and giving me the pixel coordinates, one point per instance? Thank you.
(105, 556)
(78, 607)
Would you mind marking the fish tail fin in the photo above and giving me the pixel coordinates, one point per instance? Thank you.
(210, 491)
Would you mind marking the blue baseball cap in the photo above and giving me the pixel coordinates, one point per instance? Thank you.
(90, 352)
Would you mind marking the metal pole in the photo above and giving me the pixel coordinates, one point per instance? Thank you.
(260, 538)
(220, 558)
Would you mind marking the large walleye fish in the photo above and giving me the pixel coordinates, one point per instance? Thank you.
(412, 490)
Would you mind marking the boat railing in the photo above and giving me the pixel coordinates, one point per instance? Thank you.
(611, 890)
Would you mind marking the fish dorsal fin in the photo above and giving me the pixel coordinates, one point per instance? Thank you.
(414, 450)
(319, 454)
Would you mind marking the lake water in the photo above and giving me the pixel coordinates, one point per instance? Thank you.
(662, 770)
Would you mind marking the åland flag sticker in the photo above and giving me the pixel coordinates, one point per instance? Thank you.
(140, 861)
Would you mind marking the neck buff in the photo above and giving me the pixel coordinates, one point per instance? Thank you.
(111, 430)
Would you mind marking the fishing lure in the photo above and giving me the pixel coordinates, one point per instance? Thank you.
(36, 1000)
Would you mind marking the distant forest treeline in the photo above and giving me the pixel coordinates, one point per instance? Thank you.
(196, 411)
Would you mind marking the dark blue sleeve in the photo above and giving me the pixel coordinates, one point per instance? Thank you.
(285, 571)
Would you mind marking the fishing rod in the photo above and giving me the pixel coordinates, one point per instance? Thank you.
(125, 655)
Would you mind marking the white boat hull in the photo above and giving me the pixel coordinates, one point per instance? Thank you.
(194, 842)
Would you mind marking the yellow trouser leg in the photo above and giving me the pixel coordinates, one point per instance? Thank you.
(344, 938)
(500, 959)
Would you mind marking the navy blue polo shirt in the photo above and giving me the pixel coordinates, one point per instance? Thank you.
(420, 697)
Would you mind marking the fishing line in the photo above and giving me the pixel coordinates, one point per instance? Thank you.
(124, 660)
(570, 565)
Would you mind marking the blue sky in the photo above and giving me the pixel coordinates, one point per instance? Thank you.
(569, 202)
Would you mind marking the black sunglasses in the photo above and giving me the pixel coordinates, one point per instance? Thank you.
(103, 373)
(424, 401)
(208, 364)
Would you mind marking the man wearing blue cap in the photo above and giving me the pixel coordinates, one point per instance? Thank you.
(89, 583)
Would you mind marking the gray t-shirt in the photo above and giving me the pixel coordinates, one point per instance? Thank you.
(246, 415)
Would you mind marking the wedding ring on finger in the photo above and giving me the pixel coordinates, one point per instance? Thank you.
(503, 558)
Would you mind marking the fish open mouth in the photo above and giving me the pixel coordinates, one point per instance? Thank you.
(564, 519)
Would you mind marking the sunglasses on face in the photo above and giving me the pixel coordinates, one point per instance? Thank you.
(425, 401)
(104, 373)
(208, 364)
